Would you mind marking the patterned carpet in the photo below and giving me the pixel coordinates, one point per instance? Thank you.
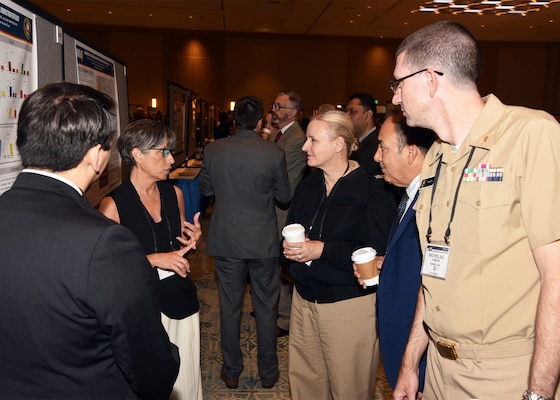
(203, 273)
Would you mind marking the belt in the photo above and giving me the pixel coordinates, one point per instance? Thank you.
(454, 351)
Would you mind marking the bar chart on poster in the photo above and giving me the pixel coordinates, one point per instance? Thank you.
(36, 50)
(18, 77)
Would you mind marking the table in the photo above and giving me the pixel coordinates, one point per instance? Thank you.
(187, 180)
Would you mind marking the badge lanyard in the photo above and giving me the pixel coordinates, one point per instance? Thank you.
(328, 199)
(436, 179)
(436, 256)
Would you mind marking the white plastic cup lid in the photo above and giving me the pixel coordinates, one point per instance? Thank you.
(363, 255)
(293, 230)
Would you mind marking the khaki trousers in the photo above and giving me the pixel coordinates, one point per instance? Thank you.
(333, 349)
(484, 379)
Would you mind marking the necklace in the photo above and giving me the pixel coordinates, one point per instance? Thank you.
(151, 223)
(334, 184)
(322, 203)
(347, 168)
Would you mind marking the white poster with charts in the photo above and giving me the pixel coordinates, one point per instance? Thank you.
(98, 71)
(18, 78)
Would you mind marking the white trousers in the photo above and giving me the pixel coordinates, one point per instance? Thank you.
(185, 334)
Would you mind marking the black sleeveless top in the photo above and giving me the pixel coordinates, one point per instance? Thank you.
(178, 298)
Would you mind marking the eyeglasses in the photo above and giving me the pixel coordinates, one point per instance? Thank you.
(276, 106)
(164, 151)
(396, 84)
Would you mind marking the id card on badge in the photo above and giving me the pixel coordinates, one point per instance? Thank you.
(436, 259)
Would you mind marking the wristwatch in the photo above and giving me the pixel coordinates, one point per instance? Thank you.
(528, 395)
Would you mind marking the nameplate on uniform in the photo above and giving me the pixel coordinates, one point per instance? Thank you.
(427, 182)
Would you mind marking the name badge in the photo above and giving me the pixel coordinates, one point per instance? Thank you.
(436, 259)
(427, 182)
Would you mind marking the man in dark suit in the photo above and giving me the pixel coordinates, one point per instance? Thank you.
(290, 138)
(361, 109)
(78, 300)
(400, 153)
(246, 174)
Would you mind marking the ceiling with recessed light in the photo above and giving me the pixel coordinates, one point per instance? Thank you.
(486, 7)
(493, 21)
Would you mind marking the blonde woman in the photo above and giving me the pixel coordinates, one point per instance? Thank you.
(333, 345)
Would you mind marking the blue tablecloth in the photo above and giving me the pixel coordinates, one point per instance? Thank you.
(187, 180)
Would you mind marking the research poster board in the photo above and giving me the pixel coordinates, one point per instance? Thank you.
(36, 49)
(98, 71)
(178, 103)
(18, 74)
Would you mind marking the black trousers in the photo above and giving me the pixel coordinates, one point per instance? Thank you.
(232, 278)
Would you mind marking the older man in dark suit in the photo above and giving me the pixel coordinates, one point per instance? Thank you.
(246, 174)
(290, 138)
(400, 153)
(78, 300)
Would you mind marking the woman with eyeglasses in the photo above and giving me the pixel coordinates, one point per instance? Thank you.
(155, 211)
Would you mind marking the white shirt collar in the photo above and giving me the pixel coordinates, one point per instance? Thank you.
(367, 134)
(411, 191)
(413, 188)
(54, 176)
(284, 129)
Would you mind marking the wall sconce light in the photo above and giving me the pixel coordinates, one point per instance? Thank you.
(154, 102)
(231, 105)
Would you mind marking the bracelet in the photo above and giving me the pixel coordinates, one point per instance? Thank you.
(528, 395)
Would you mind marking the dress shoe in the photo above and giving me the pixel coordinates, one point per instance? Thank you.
(270, 385)
(230, 383)
(281, 332)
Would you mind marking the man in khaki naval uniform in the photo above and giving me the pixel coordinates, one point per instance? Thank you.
(489, 223)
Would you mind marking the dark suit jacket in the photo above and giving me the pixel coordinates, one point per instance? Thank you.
(296, 159)
(79, 314)
(365, 152)
(399, 283)
(246, 174)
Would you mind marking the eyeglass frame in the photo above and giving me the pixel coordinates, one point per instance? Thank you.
(395, 84)
(276, 106)
(164, 150)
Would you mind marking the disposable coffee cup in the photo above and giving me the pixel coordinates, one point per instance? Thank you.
(364, 259)
(294, 233)
(265, 133)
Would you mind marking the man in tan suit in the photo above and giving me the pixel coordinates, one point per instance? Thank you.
(290, 138)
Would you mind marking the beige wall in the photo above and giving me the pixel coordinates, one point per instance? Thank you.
(220, 67)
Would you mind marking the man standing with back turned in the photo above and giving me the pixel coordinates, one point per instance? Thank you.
(489, 223)
(79, 306)
(246, 174)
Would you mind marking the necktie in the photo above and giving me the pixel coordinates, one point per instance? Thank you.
(400, 213)
(278, 136)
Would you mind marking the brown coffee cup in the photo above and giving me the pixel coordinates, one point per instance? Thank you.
(364, 259)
